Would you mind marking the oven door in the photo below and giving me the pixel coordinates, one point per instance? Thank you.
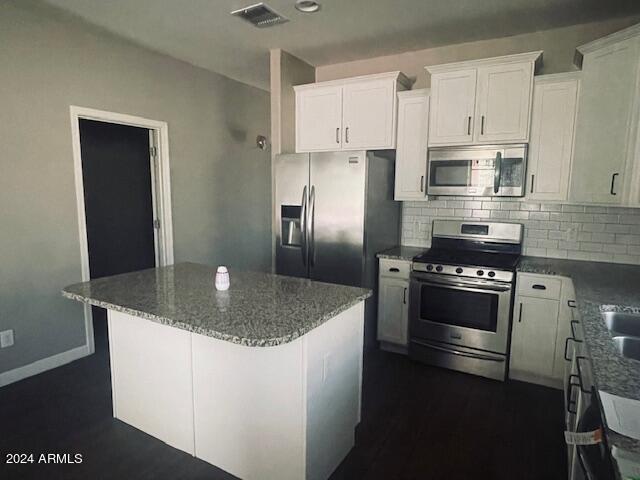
(466, 312)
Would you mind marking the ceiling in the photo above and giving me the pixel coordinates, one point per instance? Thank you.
(203, 33)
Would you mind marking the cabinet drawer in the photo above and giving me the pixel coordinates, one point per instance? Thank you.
(395, 268)
(539, 286)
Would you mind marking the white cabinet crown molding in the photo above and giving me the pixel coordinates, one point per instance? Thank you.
(615, 37)
(420, 92)
(396, 75)
(557, 77)
(485, 62)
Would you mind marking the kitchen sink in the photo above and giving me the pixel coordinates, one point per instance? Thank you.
(628, 346)
(621, 323)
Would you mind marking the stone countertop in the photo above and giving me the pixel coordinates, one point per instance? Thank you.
(258, 310)
(402, 252)
(601, 287)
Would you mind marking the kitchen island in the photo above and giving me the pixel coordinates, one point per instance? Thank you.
(262, 380)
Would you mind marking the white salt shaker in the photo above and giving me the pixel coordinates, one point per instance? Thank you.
(222, 278)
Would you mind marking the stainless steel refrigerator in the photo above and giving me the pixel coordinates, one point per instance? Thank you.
(334, 212)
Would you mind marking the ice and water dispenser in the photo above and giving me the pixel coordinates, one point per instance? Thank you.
(290, 229)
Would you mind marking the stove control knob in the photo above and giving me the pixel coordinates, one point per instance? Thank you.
(429, 267)
(458, 270)
(480, 273)
(492, 274)
(439, 268)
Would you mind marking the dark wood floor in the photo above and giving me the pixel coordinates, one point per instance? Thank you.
(418, 422)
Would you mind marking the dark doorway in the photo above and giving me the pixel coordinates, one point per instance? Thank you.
(118, 197)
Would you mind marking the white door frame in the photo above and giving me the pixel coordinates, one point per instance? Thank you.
(161, 188)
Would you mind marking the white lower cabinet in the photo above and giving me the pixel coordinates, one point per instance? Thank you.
(541, 320)
(393, 304)
(533, 343)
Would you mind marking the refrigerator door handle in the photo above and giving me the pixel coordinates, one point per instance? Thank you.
(303, 226)
(312, 217)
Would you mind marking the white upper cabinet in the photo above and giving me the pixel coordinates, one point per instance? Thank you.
(350, 114)
(411, 151)
(552, 133)
(368, 113)
(482, 101)
(319, 119)
(607, 127)
(452, 107)
(504, 102)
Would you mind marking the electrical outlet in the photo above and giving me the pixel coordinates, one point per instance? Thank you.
(6, 338)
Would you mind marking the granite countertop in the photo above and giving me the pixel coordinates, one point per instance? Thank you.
(259, 310)
(402, 252)
(601, 287)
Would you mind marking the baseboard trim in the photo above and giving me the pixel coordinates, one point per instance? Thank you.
(43, 365)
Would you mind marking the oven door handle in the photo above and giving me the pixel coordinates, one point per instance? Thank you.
(458, 352)
(473, 286)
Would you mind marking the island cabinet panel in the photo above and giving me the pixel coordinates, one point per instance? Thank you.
(248, 408)
(282, 412)
(333, 354)
(151, 378)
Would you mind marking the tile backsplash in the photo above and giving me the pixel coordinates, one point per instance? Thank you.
(604, 234)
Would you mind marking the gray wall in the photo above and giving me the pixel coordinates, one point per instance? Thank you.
(220, 180)
(559, 45)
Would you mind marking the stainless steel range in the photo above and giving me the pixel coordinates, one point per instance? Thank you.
(462, 297)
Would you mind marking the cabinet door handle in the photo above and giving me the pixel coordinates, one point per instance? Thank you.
(469, 125)
(346, 135)
(422, 183)
(537, 286)
(394, 269)
(520, 315)
(566, 348)
(613, 183)
(482, 125)
(337, 134)
(404, 296)
(571, 303)
(533, 178)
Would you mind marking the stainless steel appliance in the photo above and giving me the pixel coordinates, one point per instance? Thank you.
(582, 411)
(334, 212)
(461, 297)
(488, 171)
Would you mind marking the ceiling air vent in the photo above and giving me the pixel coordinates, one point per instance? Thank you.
(260, 15)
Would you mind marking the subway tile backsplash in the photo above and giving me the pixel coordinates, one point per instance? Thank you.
(602, 234)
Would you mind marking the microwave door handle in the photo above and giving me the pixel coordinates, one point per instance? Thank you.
(303, 226)
(497, 173)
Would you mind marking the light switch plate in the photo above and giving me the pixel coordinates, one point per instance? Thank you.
(6, 338)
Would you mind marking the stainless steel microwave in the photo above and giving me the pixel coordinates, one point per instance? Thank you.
(483, 171)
